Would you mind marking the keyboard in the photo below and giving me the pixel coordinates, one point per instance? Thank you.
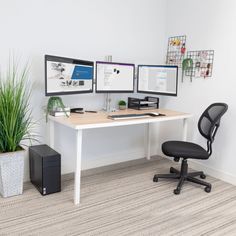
(133, 116)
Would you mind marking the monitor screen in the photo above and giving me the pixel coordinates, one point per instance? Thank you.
(114, 77)
(67, 76)
(161, 80)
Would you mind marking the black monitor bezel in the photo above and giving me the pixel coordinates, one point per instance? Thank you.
(159, 93)
(66, 60)
(115, 91)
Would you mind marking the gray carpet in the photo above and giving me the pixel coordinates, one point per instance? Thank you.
(123, 201)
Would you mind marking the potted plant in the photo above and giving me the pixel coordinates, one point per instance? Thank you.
(122, 104)
(187, 66)
(55, 103)
(15, 126)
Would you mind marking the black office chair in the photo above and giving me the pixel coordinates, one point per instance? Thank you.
(208, 125)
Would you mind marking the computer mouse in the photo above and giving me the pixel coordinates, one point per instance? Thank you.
(154, 114)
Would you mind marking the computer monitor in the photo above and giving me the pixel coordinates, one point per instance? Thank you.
(157, 79)
(114, 77)
(67, 76)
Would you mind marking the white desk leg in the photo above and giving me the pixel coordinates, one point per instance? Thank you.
(51, 133)
(185, 129)
(78, 166)
(148, 141)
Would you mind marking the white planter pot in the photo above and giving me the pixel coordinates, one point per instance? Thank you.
(122, 107)
(11, 173)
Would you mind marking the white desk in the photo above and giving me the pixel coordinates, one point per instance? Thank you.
(80, 122)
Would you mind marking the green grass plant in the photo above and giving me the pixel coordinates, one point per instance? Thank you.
(15, 113)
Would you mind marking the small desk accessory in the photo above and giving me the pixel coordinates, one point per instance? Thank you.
(143, 104)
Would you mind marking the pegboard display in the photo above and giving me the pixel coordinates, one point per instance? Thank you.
(176, 50)
(202, 63)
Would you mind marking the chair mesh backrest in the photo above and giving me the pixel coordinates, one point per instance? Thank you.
(210, 120)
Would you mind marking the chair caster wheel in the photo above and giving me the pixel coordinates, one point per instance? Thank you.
(171, 170)
(202, 176)
(207, 189)
(155, 178)
(177, 191)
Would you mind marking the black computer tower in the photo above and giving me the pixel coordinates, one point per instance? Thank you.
(45, 169)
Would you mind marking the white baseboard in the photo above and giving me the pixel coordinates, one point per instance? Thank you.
(100, 161)
(219, 174)
(109, 159)
(138, 154)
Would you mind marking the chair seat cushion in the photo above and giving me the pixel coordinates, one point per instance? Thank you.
(184, 150)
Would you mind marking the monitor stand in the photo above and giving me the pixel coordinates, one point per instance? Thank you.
(107, 106)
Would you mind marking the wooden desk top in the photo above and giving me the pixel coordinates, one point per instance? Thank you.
(99, 119)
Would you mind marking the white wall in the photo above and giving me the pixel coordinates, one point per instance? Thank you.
(133, 31)
(130, 30)
(208, 25)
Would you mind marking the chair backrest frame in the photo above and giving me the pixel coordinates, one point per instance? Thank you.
(209, 122)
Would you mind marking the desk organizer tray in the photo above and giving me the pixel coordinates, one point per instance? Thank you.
(143, 104)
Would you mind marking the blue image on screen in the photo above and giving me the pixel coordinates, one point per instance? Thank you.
(82, 73)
